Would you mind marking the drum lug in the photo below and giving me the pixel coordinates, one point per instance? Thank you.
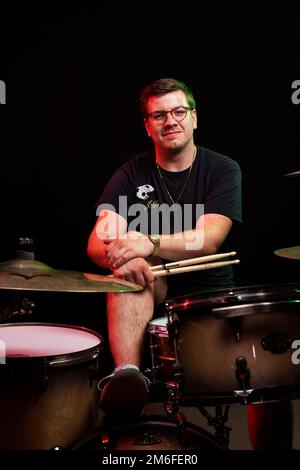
(242, 372)
(173, 329)
(154, 368)
(43, 383)
(94, 372)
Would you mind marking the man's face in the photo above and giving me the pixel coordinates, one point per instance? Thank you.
(170, 132)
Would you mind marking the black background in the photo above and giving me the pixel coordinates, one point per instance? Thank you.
(73, 78)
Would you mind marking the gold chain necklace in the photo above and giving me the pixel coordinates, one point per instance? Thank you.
(185, 183)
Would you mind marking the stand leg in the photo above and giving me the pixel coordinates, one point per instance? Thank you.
(218, 422)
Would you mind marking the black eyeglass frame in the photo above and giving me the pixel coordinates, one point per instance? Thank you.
(165, 113)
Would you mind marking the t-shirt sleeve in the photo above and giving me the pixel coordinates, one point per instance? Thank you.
(118, 185)
(224, 192)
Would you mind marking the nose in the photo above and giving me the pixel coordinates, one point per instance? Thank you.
(169, 116)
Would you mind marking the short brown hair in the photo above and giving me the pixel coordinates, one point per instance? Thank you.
(162, 87)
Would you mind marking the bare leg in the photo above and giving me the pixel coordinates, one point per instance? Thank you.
(128, 315)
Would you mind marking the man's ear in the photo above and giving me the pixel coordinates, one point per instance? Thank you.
(146, 123)
(195, 117)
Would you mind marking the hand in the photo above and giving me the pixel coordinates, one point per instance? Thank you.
(136, 271)
(122, 250)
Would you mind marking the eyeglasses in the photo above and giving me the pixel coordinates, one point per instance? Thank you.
(178, 114)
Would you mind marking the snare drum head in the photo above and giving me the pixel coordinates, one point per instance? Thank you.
(158, 326)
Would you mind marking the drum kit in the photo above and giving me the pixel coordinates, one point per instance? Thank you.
(48, 371)
(229, 346)
(223, 347)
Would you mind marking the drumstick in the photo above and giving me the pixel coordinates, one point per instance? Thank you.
(190, 261)
(198, 267)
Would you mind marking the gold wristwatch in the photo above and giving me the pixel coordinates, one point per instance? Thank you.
(156, 242)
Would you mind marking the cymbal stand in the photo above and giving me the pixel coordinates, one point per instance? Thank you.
(17, 306)
(218, 422)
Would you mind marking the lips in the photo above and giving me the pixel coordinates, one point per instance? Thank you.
(171, 133)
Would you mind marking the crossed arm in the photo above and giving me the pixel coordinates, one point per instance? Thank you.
(125, 253)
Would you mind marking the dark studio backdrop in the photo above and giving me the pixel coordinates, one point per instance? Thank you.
(73, 79)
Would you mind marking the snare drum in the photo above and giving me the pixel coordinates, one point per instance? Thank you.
(48, 392)
(236, 345)
(162, 352)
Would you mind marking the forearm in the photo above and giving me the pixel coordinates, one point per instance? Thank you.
(210, 232)
(96, 250)
(109, 225)
(185, 245)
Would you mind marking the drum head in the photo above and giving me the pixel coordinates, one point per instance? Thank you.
(158, 326)
(150, 433)
(47, 343)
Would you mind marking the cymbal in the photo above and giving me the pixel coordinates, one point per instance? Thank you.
(292, 253)
(295, 173)
(23, 274)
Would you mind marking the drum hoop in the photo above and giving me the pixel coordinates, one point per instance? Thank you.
(235, 296)
(55, 360)
(151, 422)
(254, 308)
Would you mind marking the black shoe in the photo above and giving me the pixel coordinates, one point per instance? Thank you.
(125, 394)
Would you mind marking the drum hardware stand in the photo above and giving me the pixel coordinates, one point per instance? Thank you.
(218, 422)
(19, 306)
(175, 415)
(174, 391)
(153, 371)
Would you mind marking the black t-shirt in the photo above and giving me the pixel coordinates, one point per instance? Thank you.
(137, 192)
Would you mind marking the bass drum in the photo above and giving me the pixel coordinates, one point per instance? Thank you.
(48, 391)
(150, 433)
(238, 345)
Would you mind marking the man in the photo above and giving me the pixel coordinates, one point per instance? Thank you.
(198, 194)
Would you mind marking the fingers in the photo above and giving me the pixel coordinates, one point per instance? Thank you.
(116, 258)
(133, 277)
(136, 272)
